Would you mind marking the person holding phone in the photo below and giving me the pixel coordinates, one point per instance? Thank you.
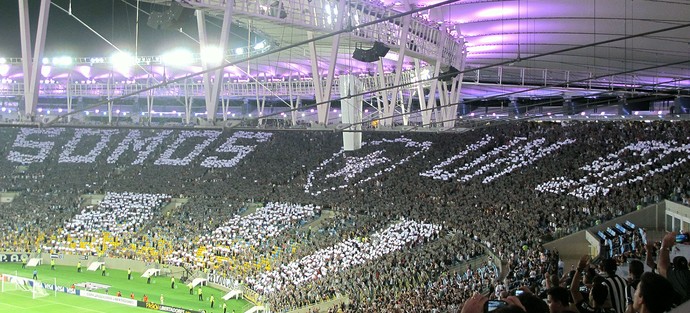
(479, 303)
(677, 273)
(597, 295)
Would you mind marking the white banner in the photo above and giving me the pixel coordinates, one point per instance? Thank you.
(109, 298)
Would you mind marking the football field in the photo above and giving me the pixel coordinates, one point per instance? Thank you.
(22, 301)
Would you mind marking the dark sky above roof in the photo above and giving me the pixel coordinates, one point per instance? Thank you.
(115, 20)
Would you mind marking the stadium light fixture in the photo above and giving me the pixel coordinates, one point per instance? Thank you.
(212, 55)
(3, 60)
(122, 61)
(177, 57)
(425, 74)
(62, 61)
(239, 51)
(260, 45)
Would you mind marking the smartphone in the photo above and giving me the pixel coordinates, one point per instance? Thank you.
(492, 305)
(519, 292)
(681, 238)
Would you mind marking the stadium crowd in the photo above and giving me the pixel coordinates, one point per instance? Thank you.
(492, 196)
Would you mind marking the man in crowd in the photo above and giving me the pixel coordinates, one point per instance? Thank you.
(558, 299)
(654, 294)
(615, 284)
(677, 272)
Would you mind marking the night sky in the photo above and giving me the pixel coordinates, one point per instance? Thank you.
(113, 19)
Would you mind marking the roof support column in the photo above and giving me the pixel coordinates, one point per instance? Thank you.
(69, 97)
(214, 80)
(31, 62)
(426, 114)
(294, 104)
(149, 101)
(188, 101)
(351, 111)
(324, 92)
(398, 72)
(431, 102)
(385, 110)
(109, 93)
(316, 79)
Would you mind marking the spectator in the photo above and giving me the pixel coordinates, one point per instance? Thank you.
(654, 294)
(598, 293)
(616, 286)
(558, 300)
(677, 273)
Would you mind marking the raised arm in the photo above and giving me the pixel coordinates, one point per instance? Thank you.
(649, 259)
(664, 262)
(575, 284)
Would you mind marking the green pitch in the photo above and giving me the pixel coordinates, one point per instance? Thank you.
(21, 301)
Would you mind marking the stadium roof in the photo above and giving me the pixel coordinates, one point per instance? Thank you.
(513, 48)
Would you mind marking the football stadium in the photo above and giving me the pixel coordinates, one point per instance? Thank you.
(506, 156)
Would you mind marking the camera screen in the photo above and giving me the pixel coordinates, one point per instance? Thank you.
(495, 304)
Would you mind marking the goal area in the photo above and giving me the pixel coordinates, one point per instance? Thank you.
(17, 283)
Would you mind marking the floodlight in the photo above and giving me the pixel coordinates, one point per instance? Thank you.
(212, 55)
(260, 45)
(62, 61)
(239, 51)
(3, 60)
(177, 57)
(425, 74)
(122, 61)
(45, 61)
